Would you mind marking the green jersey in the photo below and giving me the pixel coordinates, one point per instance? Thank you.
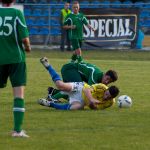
(78, 20)
(90, 73)
(78, 72)
(12, 30)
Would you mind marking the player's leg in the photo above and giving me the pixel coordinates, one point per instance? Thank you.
(76, 45)
(70, 73)
(52, 104)
(3, 75)
(18, 81)
(73, 106)
(76, 57)
(68, 41)
(55, 76)
(75, 97)
(63, 38)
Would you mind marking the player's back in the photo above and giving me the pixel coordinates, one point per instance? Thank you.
(90, 73)
(11, 23)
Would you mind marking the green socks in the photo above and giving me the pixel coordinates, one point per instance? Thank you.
(18, 111)
(60, 95)
(77, 58)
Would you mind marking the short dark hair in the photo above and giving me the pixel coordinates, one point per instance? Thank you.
(113, 75)
(7, 1)
(114, 91)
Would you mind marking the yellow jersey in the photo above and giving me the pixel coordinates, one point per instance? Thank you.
(98, 91)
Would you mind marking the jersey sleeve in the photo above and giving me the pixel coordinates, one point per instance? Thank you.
(84, 20)
(21, 25)
(95, 77)
(67, 21)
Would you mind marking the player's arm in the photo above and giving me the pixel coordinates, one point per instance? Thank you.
(87, 24)
(90, 27)
(92, 101)
(26, 43)
(67, 24)
(69, 27)
(68, 87)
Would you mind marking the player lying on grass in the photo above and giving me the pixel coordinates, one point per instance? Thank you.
(80, 71)
(97, 96)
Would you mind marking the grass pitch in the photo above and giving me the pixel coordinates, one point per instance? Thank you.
(110, 129)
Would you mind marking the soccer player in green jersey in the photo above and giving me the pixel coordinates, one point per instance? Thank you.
(74, 23)
(89, 73)
(97, 96)
(14, 41)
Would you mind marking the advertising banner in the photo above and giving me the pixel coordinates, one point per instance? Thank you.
(113, 27)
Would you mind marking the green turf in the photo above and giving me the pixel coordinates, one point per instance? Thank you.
(110, 129)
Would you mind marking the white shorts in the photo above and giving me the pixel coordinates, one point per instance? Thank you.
(76, 94)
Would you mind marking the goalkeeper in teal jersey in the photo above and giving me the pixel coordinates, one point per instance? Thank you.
(74, 23)
(14, 41)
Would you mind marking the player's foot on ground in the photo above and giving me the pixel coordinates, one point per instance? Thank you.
(79, 59)
(22, 133)
(73, 58)
(49, 98)
(51, 90)
(43, 102)
(45, 62)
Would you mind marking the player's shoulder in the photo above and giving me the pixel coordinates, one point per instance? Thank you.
(99, 86)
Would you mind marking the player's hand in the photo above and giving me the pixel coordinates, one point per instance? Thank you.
(73, 26)
(93, 103)
(28, 48)
(93, 29)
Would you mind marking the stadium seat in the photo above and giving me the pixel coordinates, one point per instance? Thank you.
(59, 5)
(145, 14)
(55, 31)
(116, 4)
(55, 22)
(41, 22)
(95, 4)
(33, 31)
(138, 5)
(106, 4)
(146, 6)
(127, 4)
(27, 12)
(53, 4)
(37, 12)
(30, 22)
(146, 23)
(84, 4)
(44, 31)
(42, 2)
(55, 13)
(45, 12)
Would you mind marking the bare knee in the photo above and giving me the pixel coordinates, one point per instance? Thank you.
(76, 106)
(60, 85)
